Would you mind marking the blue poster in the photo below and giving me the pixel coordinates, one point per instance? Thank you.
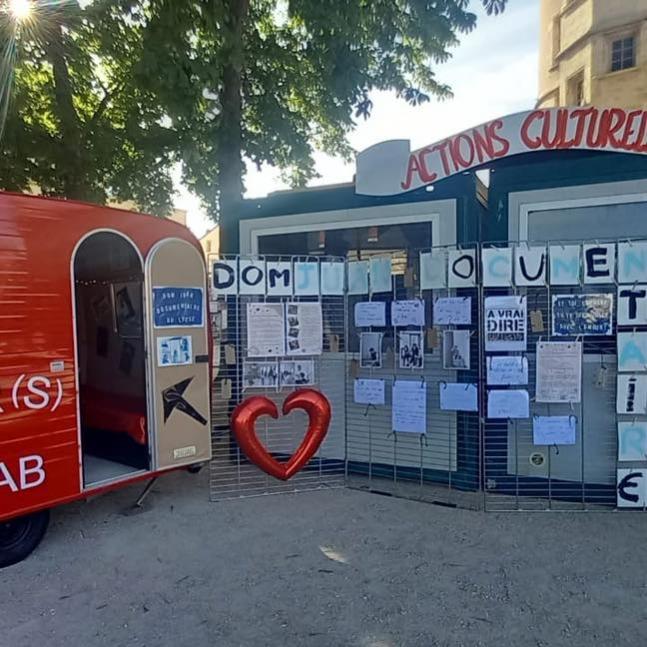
(178, 307)
(582, 314)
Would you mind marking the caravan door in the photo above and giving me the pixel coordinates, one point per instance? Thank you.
(178, 354)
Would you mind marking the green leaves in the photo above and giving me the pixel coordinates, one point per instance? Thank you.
(105, 100)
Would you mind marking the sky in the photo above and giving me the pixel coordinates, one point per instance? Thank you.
(493, 72)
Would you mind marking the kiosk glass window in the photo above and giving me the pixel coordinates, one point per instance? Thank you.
(351, 243)
(597, 222)
(402, 242)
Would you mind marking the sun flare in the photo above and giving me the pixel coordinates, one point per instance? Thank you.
(20, 9)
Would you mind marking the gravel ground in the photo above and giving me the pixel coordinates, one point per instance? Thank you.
(328, 568)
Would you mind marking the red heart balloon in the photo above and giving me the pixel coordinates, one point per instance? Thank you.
(243, 421)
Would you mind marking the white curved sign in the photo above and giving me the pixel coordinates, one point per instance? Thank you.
(390, 168)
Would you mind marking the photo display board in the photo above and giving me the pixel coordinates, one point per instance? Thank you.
(534, 357)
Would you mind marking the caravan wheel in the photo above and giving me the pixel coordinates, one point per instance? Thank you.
(19, 537)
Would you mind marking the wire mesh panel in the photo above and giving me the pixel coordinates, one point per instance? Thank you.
(247, 362)
(442, 463)
(522, 470)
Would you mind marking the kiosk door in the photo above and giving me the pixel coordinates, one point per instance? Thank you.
(178, 354)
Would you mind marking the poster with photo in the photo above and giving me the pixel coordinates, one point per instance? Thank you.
(260, 375)
(299, 372)
(174, 351)
(456, 350)
(370, 350)
(128, 309)
(505, 323)
(304, 328)
(411, 350)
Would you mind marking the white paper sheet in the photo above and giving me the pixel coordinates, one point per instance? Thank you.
(358, 277)
(554, 430)
(332, 278)
(632, 352)
(251, 277)
(304, 328)
(559, 372)
(508, 404)
(265, 330)
(458, 397)
(380, 270)
(409, 414)
(279, 278)
(632, 441)
(453, 311)
(631, 395)
(632, 305)
(433, 270)
(505, 323)
(408, 313)
(631, 487)
(306, 279)
(507, 370)
(369, 392)
(496, 263)
(370, 313)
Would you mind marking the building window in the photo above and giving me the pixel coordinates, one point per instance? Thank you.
(623, 53)
(557, 37)
(575, 90)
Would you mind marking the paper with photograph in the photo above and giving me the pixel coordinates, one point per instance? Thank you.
(299, 372)
(260, 375)
(411, 350)
(456, 350)
(370, 350)
(304, 326)
(174, 351)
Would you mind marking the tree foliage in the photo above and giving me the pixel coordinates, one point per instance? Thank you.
(207, 82)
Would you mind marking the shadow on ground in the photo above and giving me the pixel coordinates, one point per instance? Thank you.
(327, 568)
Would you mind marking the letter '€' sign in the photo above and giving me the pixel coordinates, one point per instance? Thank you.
(30, 473)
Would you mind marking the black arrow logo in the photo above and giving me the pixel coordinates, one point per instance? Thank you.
(173, 399)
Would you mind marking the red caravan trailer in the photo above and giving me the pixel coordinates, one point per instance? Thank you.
(104, 362)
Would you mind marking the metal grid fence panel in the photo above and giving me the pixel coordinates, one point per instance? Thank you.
(519, 475)
(465, 459)
(237, 377)
(441, 466)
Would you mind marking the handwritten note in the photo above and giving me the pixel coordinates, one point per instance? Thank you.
(453, 311)
(408, 313)
(553, 430)
(508, 404)
(370, 313)
(455, 396)
(409, 414)
(369, 392)
(507, 371)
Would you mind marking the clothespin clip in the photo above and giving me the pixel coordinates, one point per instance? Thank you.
(556, 448)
